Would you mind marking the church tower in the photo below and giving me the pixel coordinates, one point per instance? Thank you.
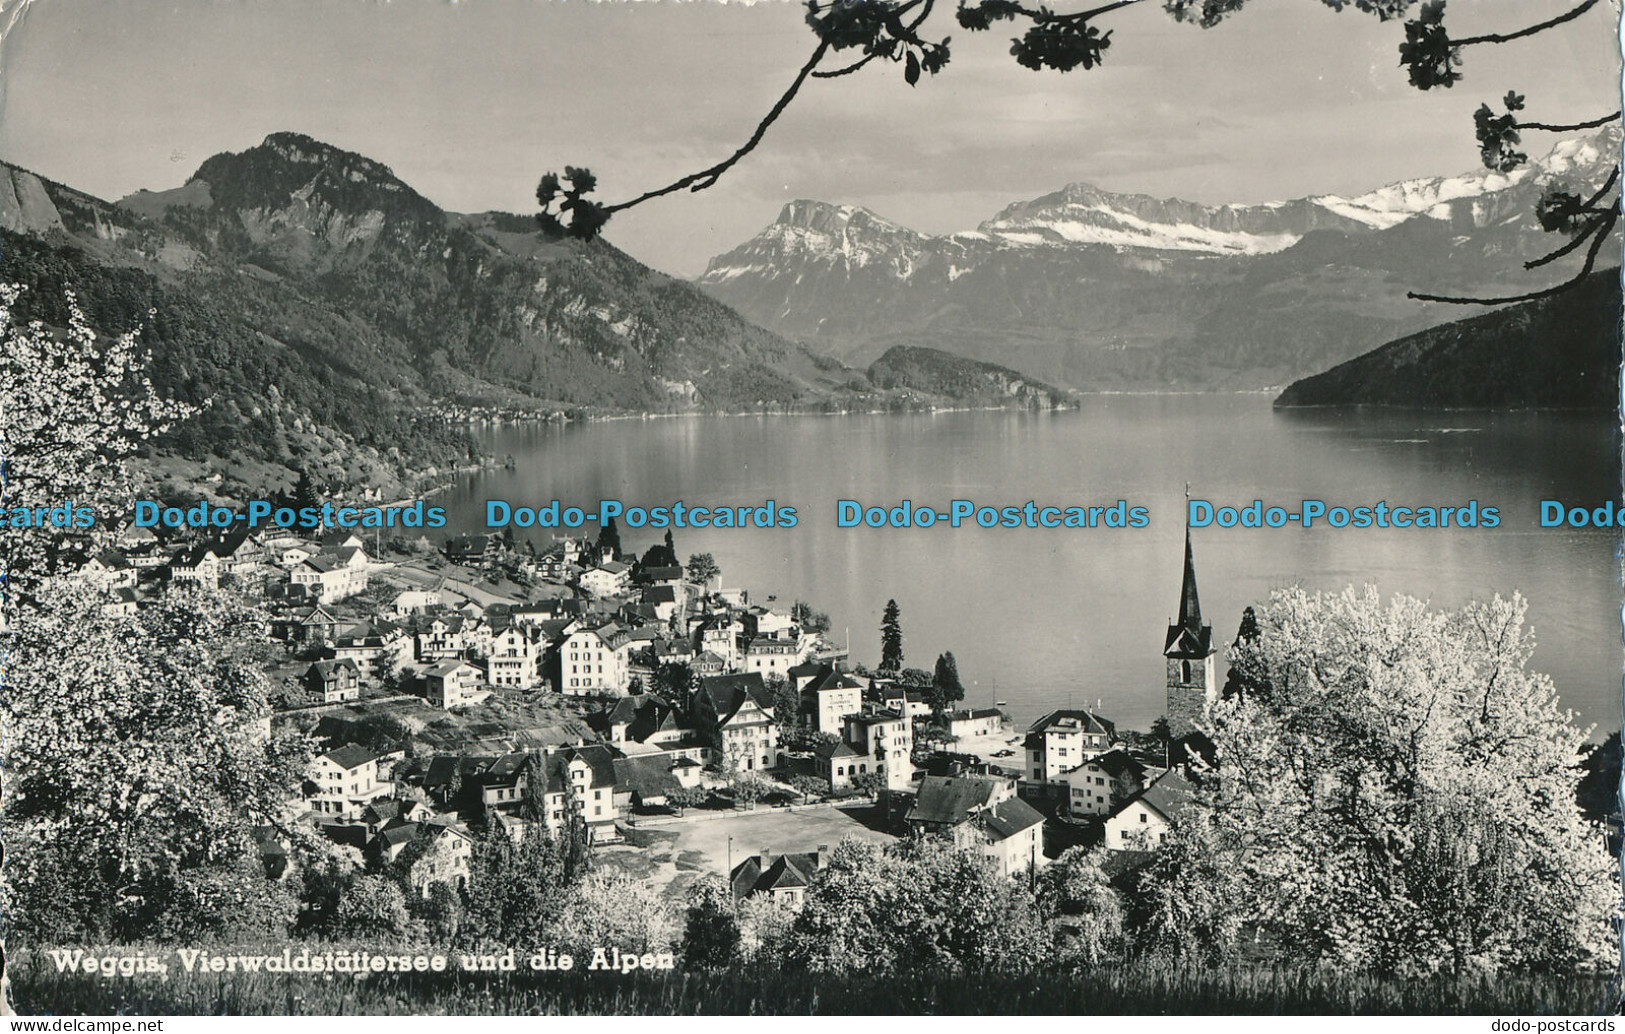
(1192, 686)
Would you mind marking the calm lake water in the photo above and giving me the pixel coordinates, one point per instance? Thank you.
(1045, 618)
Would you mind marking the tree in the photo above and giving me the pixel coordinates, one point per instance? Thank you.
(609, 539)
(615, 909)
(867, 783)
(893, 30)
(305, 492)
(891, 639)
(749, 790)
(810, 620)
(1239, 681)
(681, 798)
(918, 905)
(519, 885)
(711, 925)
(138, 757)
(809, 786)
(786, 706)
(373, 908)
(675, 680)
(443, 914)
(73, 409)
(1400, 797)
(1075, 890)
(702, 567)
(946, 689)
(671, 546)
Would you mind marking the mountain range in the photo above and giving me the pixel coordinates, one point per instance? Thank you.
(339, 321)
(1097, 290)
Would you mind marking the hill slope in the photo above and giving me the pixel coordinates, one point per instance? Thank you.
(1556, 353)
(946, 375)
(341, 322)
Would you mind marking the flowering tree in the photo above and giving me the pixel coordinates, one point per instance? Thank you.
(612, 908)
(1399, 794)
(138, 751)
(73, 409)
(139, 756)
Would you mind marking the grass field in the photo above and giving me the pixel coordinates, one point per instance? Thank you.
(1140, 988)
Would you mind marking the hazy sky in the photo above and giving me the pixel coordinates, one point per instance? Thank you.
(470, 102)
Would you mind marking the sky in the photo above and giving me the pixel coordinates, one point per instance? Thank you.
(469, 102)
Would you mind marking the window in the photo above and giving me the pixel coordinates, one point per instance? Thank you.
(1142, 817)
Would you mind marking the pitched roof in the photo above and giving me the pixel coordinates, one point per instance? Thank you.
(838, 749)
(985, 712)
(444, 668)
(350, 755)
(781, 872)
(1170, 795)
(728, 693)
(1082, 721)
(648, 775)
(950, 800)
(831, 680)
(1009, 817)
(392, 836)
(1117, 762)
(326, 668)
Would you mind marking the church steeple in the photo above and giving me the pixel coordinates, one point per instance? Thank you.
(1192, 687)
(1189, 636)
(1190, 608)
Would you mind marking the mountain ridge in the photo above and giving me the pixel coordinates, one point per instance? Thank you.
(1093, 290)
(346, 324)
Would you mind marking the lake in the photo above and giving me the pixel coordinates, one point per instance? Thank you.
(1044, 618)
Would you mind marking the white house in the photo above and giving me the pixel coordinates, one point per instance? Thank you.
(515, 658)
(596, 660)
(769, 657)
(1141, 822)
(888, 737)
(832, 695)
(610, 578)
(346, 781)
(985, 722)
(452, 683)
(738, 708)
(324, 579)
(1103, 782)
(1064, 739)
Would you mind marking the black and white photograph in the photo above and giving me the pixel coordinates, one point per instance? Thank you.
(606, 508)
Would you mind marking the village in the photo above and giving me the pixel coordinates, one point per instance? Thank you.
(677, 727)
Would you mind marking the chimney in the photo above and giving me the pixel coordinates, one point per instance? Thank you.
(762, 858)
(823, 855)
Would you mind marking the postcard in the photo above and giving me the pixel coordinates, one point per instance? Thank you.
(842, 507)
